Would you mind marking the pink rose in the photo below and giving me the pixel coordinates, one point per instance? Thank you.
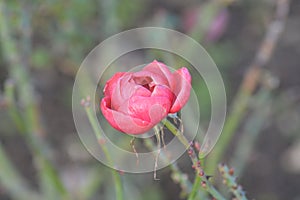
(134, 102)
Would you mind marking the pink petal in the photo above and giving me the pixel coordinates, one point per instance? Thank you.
(181, 87)
(141, 107)
(156, 78)
(151, 109)
(122, 91)
(161, 70)
(122, 122)
(111, 83)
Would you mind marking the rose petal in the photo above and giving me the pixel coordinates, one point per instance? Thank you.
(122, 122)
(181, 87)
(160, 69)
(111, 83)
(122, 91)
(156, 77)
(142, 107)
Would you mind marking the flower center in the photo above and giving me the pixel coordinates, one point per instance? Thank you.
(145, 81)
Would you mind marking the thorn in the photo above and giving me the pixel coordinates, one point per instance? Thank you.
(199, 163)
(234, 187)
(231, 171)
(86, 102)
(203, 184)
(121, 172)
(102, 141)
(197, 146)
(201, 173)
(190, 152)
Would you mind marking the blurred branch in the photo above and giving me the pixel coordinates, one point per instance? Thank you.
(9, 91)
(50, 180)
(250, 82)
(116, 176)
(3, 101)
(250, 132)
(93, 184)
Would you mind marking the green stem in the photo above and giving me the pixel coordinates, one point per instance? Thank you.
(202, 178)
(116, 175)
(12, 107)
(195, 188)
(177, 175)
(251, 130)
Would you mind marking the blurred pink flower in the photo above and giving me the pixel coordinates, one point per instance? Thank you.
(192, 17)
(134, 102)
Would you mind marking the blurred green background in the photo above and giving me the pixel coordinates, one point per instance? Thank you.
(42, 45)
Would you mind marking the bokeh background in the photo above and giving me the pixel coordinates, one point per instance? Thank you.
(253, 42)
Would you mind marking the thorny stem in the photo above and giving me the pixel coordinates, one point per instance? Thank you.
(196, 164)
(230, 180)
(93, 121)
(177, 175)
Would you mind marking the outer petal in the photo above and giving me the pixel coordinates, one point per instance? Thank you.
(181, 87)
(111, 83)
(122, 122)
(122, 91)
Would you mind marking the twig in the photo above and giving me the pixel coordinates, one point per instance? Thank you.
(250, 82)
(157, 134)
(230, 180)
(196, 164)
(50, 180)
(255, 123)
(177, 175)
(116, 176)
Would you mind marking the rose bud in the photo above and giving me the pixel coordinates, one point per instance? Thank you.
(134, 102)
